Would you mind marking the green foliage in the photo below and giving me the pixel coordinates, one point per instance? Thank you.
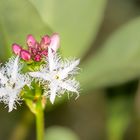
(76, 25)
(118, 118)
(117, 61)
(60, 133)
(17, 19)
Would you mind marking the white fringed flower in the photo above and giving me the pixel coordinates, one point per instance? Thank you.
(12, 82)
(59, 76)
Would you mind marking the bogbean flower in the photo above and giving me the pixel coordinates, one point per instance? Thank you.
(55, 75)
(58, 75)
(12, 82)
(45, 75)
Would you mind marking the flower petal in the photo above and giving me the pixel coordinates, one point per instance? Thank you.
(11, 104)
(70, 68)
(37, 74)
(51, 60)
(70, 86)
(2, 92)
(3, 79)
(53, 90)
(15, 69)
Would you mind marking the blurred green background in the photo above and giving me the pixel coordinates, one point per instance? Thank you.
(105, 35)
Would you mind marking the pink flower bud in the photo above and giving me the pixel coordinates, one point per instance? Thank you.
(37, 58)
(55, 42)
(25, 55)
(45, 41)
(31, 41)
(16, 49)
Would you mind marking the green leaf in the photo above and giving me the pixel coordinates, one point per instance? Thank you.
(17, 19)
(118, 61)
(77, 22)
(118, 118)
(60, 133)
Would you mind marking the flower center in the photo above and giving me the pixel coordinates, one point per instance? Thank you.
(56, 77)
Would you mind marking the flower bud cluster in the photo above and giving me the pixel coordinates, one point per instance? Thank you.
(37, 50)
(53, 77)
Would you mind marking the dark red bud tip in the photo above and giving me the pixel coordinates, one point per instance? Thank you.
(31, 40)
(25, 55)
(16, 48)
(37, 58)
(33, 51)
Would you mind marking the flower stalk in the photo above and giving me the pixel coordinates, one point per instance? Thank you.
(37, 74)
(39, 114)
(39, 122)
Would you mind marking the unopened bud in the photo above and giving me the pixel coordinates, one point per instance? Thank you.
(37, 58)
(55, 42)
(31, 41)
(16, 49)
(25, 55)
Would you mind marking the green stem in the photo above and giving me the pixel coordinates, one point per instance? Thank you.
(40, 124)
(21, 131)
(39, 115)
